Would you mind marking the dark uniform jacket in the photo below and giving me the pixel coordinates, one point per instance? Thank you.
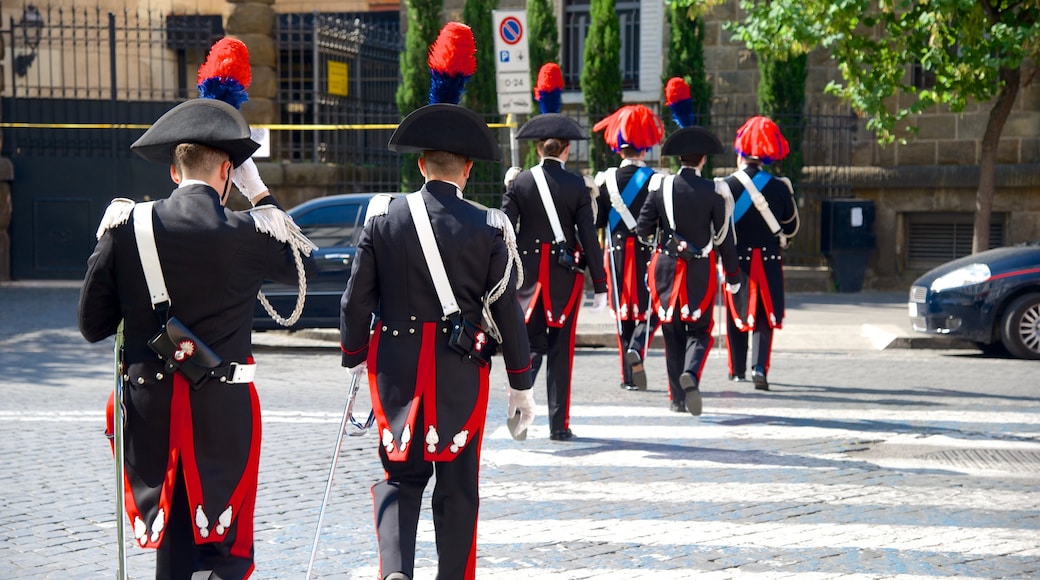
(560, 288)
(214, 261)
(679, 287)
(410, 362)
(631, 257)
(759, 253)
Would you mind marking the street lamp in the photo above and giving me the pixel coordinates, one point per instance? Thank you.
(32, 27)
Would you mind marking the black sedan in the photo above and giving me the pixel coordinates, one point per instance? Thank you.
(991, 298)
(334, 224)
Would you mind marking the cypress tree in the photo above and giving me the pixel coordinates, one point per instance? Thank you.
(544, 47)
(686, 60)
(781, 97)
(424, 22)
(481, 96)
(601, 74)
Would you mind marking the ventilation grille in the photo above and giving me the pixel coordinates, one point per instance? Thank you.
(937, 238)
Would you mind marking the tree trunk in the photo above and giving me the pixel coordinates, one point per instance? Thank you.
(998, 116)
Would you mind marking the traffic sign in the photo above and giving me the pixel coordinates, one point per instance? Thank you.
(512, 61)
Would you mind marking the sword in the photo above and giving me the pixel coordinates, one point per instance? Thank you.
(117, 430)
(348, 415)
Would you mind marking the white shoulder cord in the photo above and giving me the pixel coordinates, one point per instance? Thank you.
(547, 203)
(279, 225)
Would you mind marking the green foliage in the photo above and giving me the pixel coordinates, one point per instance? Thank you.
(781, 97)
(686, 60)
(481, 93)
(601, 74)
(543, 47)
(965, 43)
(424, 22)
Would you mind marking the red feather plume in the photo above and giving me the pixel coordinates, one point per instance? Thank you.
(676, 90)
(760, 137)
(228, 59)
(454, 51)
(550, 78)
(633, 125)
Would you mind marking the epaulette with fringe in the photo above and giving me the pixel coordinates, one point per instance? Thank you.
(379, 205)
(280, 226)
(116, 214)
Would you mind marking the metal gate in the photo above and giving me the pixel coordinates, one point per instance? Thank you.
(83, 85)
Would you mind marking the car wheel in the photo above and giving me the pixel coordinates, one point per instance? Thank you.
(1020, 331)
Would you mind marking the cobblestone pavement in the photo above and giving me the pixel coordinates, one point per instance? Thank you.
(858, 464)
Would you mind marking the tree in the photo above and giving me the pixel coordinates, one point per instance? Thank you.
(601, 73)
(686, 60)
(481, 94)
(976, 50)
(781, 97)
(424, 23)
(543, 45)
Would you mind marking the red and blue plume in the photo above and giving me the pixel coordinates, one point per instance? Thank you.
(452, 61)
(225, 75)
(677, 97)
(631, 126)
(549, 90)
(760, 137)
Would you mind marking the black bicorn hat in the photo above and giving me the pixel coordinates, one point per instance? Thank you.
(552, 126)
(446, 127)
(209, 122)
(692, 141)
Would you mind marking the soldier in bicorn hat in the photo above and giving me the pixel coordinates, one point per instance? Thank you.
(630, 131)
(765, 217)
(556, 235)
(690, 223)
(427, 266)
(191, 440)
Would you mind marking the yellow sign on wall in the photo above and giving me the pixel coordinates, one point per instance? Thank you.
(337, 75)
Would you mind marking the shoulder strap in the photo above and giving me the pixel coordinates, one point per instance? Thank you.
(547, 203)
(428, 243)
(620, 200)
(145, 234)
(669, 203)
(759, 201)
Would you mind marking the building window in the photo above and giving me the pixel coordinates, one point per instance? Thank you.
(937, 238)
(920, 78)
(576, 22)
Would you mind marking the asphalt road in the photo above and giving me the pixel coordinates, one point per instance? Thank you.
(860, 463)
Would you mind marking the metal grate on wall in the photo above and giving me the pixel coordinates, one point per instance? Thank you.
(937, 238)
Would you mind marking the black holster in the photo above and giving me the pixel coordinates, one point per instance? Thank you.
(680, 247)
(183, 351)
(569, 258)
(471, 341)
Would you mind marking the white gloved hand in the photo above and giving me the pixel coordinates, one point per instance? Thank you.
(511, 174)
(599, 302)
(733, 288)
(246, 178)
(359, 370)
(520, 412)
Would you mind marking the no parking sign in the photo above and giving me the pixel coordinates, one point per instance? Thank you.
(512, 61)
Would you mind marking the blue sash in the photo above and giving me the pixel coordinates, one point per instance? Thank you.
(743, 203)
(631, 190)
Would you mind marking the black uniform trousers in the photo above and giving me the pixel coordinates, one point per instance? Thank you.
(557, 347)
(686, 345)
(179, 557)
(398, 502)
(761, 344)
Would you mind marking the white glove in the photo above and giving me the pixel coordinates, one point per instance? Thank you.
(599, 302)
(733, 288)
(246, 178)
(359, 370)
(511, 174)
(520, 412)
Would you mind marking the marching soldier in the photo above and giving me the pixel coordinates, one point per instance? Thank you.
(430, 267)
(552, 209)
(182, 274)
(765, 217)
(630, 131)
(693, 222)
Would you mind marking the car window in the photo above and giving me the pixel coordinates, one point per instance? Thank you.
(331, 226)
